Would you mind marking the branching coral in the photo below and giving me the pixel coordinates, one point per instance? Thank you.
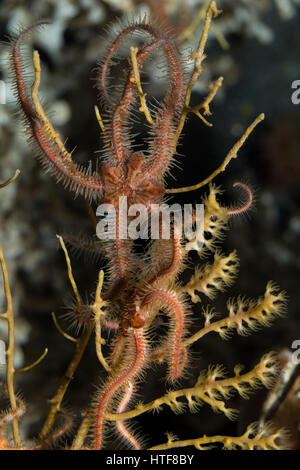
(140, 288)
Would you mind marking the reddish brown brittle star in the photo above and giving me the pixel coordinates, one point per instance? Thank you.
(138, 287)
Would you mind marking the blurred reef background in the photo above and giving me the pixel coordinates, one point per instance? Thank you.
(255, 46)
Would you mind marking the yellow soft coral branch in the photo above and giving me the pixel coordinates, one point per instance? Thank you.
(136, 78)
(245, 315)
(10, 180)
(213, 277)
(252, 439)
(214, 224)
(211, 388)
(10, 371)
(230, 155)
(39, 108)
(9, 316)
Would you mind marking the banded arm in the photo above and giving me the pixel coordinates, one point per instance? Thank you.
(46, 141)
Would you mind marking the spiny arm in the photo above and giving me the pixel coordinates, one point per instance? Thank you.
(163, 123)
(117, 139)
(131, 367)
(45, 140)
(155, 32)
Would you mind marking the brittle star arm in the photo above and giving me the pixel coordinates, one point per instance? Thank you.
(118, 135)
(170, 119)
(45, 139)
(163, 124)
